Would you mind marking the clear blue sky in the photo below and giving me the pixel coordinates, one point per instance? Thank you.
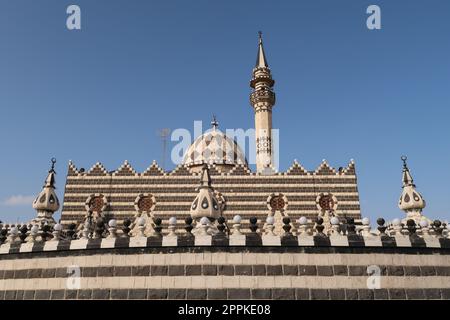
(343, 91)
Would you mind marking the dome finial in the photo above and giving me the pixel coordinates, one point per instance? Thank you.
(407, 178)
(214, 122)
(53, 160)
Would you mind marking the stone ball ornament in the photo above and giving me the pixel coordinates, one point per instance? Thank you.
(204, 221)
(15, 231)
(34, 229)
(58, 227)
(302, 220)
(173, 221)
(270, 220)
(423, 223)
(365, 221)
(237, 219)
(396, 222)
(334, 221)
(112, 223)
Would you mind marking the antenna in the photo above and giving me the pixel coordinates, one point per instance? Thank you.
(164, 134)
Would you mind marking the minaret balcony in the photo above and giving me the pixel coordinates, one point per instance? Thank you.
(263, 95)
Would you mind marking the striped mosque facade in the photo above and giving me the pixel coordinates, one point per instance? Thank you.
(244, 193)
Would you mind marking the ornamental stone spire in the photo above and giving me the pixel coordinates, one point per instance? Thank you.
(411, 200)
(262, 99)
(205, 204)
(47, 203)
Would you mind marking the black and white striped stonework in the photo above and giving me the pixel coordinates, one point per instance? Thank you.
(236, 267)
(248, 240)
(246, 192)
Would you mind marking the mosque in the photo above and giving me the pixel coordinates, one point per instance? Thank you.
(214, 229)
(124, 193)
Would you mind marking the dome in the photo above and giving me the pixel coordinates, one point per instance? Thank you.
(214, 147)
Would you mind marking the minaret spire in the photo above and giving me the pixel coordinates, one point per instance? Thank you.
(261, 57)
(262, 99)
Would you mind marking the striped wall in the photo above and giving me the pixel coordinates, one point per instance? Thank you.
(246, 193)
(219, 273)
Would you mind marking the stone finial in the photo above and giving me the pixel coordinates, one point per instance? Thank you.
(411, 226)
(172, 227)
(447, 231)
(253, 224)
(71, 231)
(23, 232)
(112, 229)
(397, 227)
(188, 227)
(221, 224)
(205, 203)
(335, 228)
(47, 203)
(57, 228)
(204, 222)
(319, 226)
(270, 220)
(351, 228)
(46, 232)
(365, 230)
(141, 227)
(34, 232)
(237, 225)
(303, 226)
(100, 228)
(85, 234)
(424, 228)
(157, 228)
(411, 201)
(3, 234)
(381, 226)
(437, 228)
(126, 227)
(13, 235)
(287, 226)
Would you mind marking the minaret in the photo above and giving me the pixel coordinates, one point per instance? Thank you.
(411, 200)
(262, 99)
(47, 203)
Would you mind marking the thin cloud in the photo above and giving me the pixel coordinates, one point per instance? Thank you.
(18, 200)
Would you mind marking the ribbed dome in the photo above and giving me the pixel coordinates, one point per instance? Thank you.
(214, 147)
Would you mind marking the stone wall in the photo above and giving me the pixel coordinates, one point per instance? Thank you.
(222, 272)
(245, 192)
